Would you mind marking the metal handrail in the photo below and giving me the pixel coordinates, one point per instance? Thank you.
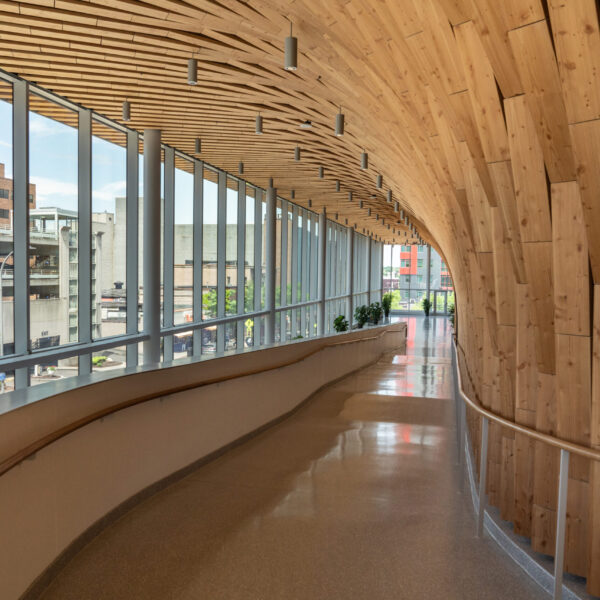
(12, 461)
(566, 448)
(551, 440)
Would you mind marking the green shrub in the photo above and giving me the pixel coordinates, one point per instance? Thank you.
(340, 324)
(375, 312)
(386, 303)
(426, 304)
(98, 361)
(361, 315)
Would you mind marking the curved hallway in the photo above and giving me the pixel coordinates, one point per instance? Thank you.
(355, 496)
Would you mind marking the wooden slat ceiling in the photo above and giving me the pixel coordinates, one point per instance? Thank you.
(100, 53)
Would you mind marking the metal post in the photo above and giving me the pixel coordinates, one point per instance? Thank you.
(428, 271)
(283, 261)
(380, 266)
(561, 518)
(84, 237)
(368, 260)
(314, 250)
(305, 271)
(349, 275)
(258, 196)
(169, 251)
(270, 250)
(131, 241)
(482, 474)
(21, 225)
(241, 263)
(221, 256)
(322, 262)
(198, 217)
(151, 301)
(294, 261)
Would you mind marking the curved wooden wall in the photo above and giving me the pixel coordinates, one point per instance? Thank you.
(484, 119)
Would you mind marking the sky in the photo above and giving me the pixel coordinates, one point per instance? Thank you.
(53, 168)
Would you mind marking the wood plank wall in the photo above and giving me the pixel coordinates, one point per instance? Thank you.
(482, 115)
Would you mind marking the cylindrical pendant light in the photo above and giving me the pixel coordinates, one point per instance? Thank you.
(377, 216)
(259, 124)
(364, 161)
(346, 221)
(241, 168)
(292, 194)
(198, 146)
(271, 182)
(360, 204)
(337, 186)
(396, 206)
(321, 172)
(336, 216)
(402, 213)
(368, 212)
(350, 196)
(309, 203)
(126, 110)
(339, 123)
(406, 220)
(389, 196)
(192, 71)
(297, 153)
(291, 52)
(379, 181)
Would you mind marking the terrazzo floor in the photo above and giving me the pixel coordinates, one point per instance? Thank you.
(355, 496)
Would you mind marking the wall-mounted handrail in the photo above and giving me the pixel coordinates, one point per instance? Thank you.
(10, 462)
(551, 440)
(565, 447)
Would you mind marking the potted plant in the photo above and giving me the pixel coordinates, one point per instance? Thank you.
(426, 305)
(340, 324)
(386, 303)
(375, 312)
(451, 310)
(361, 315)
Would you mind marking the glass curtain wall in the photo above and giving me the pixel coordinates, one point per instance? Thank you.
(405, 274)
(81, 273)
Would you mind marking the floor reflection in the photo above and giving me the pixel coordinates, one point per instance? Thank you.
(355, 496)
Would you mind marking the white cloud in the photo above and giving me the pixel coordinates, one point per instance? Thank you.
(51, 192)
(41, 126)
(108, 192)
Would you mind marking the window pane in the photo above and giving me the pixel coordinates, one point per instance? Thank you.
(53, 253)
(209, 247)
(7, 345)
(278, 238)
(231, 254)
(183, 244)
(109, 285)
(249, 253)
(263, 265)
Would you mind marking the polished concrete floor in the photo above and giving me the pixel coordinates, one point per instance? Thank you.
(355, 496)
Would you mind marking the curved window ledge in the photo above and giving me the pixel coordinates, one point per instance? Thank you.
(77, 480)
